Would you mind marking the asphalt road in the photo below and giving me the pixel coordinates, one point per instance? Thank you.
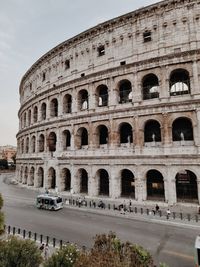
(167, 243)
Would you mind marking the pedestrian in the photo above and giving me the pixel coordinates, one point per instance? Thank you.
(157, 208)
(79, 202)
(46, 252)
(168, 212)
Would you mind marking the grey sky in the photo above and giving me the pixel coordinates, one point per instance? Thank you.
(29, 28)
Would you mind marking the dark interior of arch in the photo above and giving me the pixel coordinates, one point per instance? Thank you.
(124, 91)
(127, 184)
(52, 175)
(182, 130)
(126, 134)
(179, 82)
(152, 131)
(84, 137)
(67, 180)
(44, 111)
(103, 183)
(67, 104)
(150, 87)
(83, 181)
(103, 135)
(155, 185)
(52, 142)
(103, 95)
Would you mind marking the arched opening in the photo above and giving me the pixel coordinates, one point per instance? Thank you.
(25, 175)
(40, 177)
(66, 180)
(35, 114)
(33, 142)
(41, 143)
(102, 95)
(54, 107)
(150, 86)
(29, 117)
(24, 119)
(22, 146)
(179, 83)
(126, 133)
(27, 144)
(125, 91)
(82, 137)
(182, 130)
(83, 100)
(127, 184)
(83, 181)
(186, 186)
(103, 182)
(43, 111)
(31, 178)
(52, 141)
(152, 131)
(67, 104)
(66, 139)
(155, 185)
(102, 134)
(52, 178)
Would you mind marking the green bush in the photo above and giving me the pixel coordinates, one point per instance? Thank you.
(16, 252)
(64, 257)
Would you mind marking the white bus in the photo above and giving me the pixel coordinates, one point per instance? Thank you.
(197, 251)
(49, 202)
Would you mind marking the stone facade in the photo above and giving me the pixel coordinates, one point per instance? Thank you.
(115, 111)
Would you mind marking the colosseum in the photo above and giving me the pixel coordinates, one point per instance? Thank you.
(114, 112)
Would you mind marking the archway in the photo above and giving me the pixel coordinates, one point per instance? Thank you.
(31, 178)
(40, 177)
(179, 83)
(52, 141)
(125, 90)
(66, 180)
(182, 130)
(102, 95)
(127, 184)
(150, 86)
(83, 181)
(155, 185)
(186, 186)
(52, 178)
(152, 131)
(25, 175)
(103, 182)
(126, 133)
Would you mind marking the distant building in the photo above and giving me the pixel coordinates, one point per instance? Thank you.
(7, 152)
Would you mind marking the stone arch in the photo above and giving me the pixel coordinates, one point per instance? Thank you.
(40, 177)
(25, 119)
(103, 182)
(152, 131)
(182, 129)
(27, 145)
(102, 95)
(150, 86)
(83, 180)
(41, 143)
(29, 117)
(52, 140)
(125, 91)
(102, 134)
(54, 107)
(33, 143)
(155, 185)
(67, 103)
(125, 133)
(22, 146)
(25, 175)
(83, 99)
(127, 183)
(81, 137)
(179, 82)
(44, 111)
(65, 180)
(51, 182)
(186, 186)
(35, 114)
(66, 139)
(31, 176)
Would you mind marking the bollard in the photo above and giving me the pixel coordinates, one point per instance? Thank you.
(35, 236)
(61, 243)
(90, 204)
(13, 230)
(113, 206)
(41, 238)
(174, 215)
(167, 217)
(147, 211)
(47, 240)
(73, 201)
(181, 215)
(18, 231)
(160, 213)
(24, 234)
(8, 229)
(94, 204)
(109, 206)
(29, 234)
(196, 218)
(54, 242)
(86, 203)
(188, 217)
(141, 210)
(135, 209)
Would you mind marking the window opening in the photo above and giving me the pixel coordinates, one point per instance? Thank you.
(101, 50)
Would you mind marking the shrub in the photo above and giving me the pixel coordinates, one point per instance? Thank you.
(16, 252)
(64, 257)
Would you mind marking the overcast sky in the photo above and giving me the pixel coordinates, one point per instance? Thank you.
(29, 28)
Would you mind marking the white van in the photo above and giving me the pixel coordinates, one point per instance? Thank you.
(49, 202)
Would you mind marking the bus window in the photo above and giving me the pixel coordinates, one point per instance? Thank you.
(51, 202)
(59, 200)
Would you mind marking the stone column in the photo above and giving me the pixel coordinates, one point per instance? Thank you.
(140, 186)
(195, 82)
(74, 180)
(115, 185)
(164, 83)
(197, 129)
(198, 188)
(91, 96)
(137, 91)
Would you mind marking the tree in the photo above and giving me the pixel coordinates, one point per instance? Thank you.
(16, 252)
(64, 257)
